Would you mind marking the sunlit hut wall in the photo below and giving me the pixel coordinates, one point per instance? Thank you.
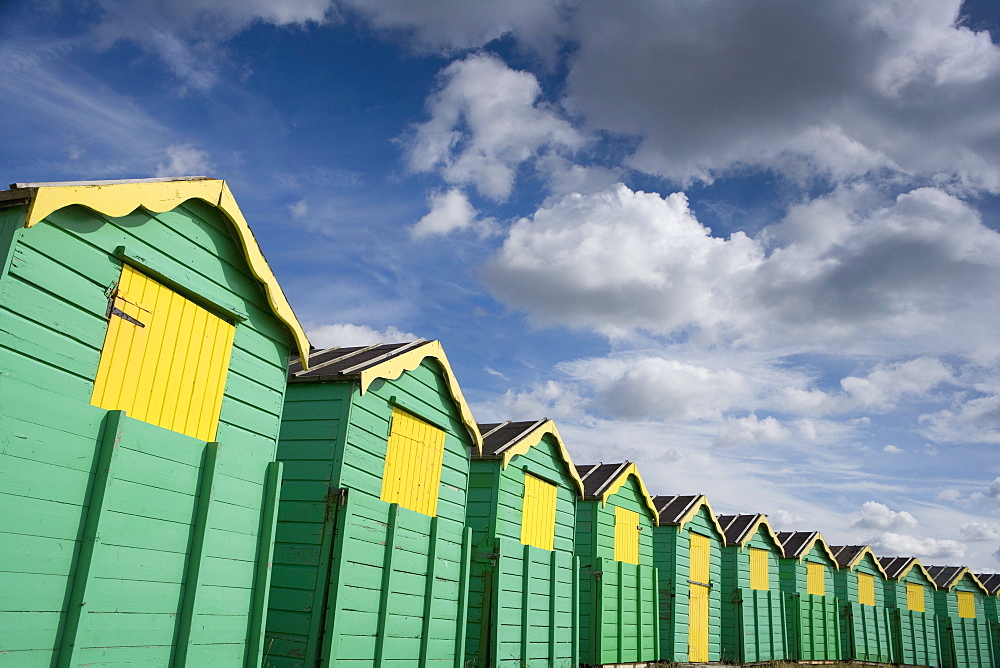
(144, 346)
(752, 602)
(687, 552)
(991, 581)
(614, 540)
(910, 597)
(371, 555)
(963, 630)
(865, 622)
(524, 585)
(812, 616)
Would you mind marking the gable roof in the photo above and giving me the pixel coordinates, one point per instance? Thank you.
(849, 556)
(120, 198)
(946, 577)
(990, 582)
(678, 510)
(739, 529)
(506, 440)
(386, 361)
(796, 544)
(896, 568)
(601, 480)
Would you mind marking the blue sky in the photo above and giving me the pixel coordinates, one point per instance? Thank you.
(752, 247)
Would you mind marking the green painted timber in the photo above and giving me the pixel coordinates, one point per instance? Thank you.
(619, 616)
(812, 622)
(523, 602)
(357, 581)
(915, 634)
(963, 642)
(866, 631)
(753, 620)
(671, 552)
(124, 542)
(991, 605)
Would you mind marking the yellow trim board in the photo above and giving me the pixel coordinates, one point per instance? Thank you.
(860, 555)
(120, 199)
(393, 368)
(826, 546)
(689, 515)
(923, 569)
(622, 478)
(770, 530)
(533, 439)
(961, 574)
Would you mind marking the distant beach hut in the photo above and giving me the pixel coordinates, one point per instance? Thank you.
(865, 621)
(910, 597)
(372, 552)
(811, 608)
(618, 589)
(142, 362)
(963, 629)
(524, 588)
(687, 552)
(991, 581)
(753, 621)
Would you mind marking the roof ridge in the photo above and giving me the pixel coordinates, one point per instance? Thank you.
(357, 351)
(610, 479)
(379, 358)
(535, 425)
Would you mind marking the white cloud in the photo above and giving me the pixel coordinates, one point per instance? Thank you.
(299, 209)
(874, 515)
(485, 121)
(184, 160)
(979, 531)
(450, 212)
(974, 420)
(949, 494)
(346, 334)
(549, 399)
(893, 450)
(784, 520)
(751, 430)
(925, 549)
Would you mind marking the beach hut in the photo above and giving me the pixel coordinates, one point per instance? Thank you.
(963, 629)
(142, 361)
(812, 615)
(910, 598)
(372, 553)
(991, 581)
(524, 584)
(618, 589)
(753, 611)
(865, 621)
(687, 552)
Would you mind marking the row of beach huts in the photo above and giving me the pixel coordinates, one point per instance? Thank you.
(184, 481)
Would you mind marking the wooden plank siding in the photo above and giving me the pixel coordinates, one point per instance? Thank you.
(963, 642)
(812, 622)
(865, 630)
(753, 620)
(915, 632)
(671, 555)
(53, 301)
(358, 581)
(618, 601)
(523, 599)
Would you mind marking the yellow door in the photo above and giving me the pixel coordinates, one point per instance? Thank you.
(698, 580)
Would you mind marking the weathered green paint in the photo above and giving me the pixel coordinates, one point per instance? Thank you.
(671, 551)
(753, 620)
(106, 511)
(522, 611)
(962, 642)
(865, 630)
(915, 634)
(991, 604)
(812, 623)
(619, 618)
(357, 581)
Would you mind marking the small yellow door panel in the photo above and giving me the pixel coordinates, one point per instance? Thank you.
(698, 624)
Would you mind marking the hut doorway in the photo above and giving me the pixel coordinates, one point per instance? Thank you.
(699, 579)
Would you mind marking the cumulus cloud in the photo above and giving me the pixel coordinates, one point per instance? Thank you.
(485, 121)
(893, 450)
(874, 515)
(346, 334)
(184, 160)
(973, 420)
(979, 531)
(751, 430)
(450, 212)
(549, 399)
(894, 544)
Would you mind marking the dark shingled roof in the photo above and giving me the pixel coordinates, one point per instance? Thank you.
(893, 566)
(498, 437)
(793, 543)
(598, 477)
(991, 581)
(944, 576)
(344, 363)
(672, 509)
(735, 527)
(845, 554)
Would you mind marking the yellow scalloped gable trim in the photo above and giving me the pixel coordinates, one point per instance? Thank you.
(393, 368)
(923, 569)
(534, 438)
(120, 199)
(622, 478)
(703, 501)
(808, 548)
(861, 555)
(753, 530)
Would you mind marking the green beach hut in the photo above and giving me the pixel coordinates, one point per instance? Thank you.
(910, 598)
(618, 589)
(991, 581)
(142, 362)
(865, 620)
(524, 589)
(812, 614)
(372, 553)
(753, 611)
(963, 629)
(687, 552)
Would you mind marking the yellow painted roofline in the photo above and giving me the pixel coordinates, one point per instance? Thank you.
(622, 478)
(826, 546)
(916, 562)
(689, 515)
(860, 555)
(120, 199)
(393, 368)
(533, 439)
(965, 570)
(770, 530)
